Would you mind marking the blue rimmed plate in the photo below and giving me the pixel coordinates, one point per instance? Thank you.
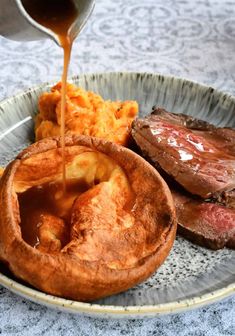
(191, 276)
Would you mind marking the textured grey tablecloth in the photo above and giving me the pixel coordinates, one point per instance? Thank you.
(192, 39)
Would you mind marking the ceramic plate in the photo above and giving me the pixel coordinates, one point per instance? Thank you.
(191, 276)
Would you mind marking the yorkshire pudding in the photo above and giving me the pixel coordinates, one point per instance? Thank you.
(111, 229)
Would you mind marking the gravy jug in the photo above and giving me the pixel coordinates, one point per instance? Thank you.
(16, 24)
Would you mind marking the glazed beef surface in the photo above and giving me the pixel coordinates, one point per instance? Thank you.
(198, 162)
(199, 156)
(204, 223)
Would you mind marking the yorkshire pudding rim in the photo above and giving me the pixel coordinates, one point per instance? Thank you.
(89, 280)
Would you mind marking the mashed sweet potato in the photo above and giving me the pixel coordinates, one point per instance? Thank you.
(87, 113)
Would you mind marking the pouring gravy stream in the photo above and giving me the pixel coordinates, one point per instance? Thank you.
(58, 16)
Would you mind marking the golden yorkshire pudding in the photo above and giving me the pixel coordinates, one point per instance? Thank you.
(111, 229)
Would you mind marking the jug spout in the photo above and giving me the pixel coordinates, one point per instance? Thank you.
(16, 24)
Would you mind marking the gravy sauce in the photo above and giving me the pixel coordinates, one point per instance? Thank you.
(46, 199)
(58, 16)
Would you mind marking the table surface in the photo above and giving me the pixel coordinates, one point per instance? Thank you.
(191, 39)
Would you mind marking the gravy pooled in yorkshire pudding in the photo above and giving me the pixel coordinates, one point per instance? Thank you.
(112, 229)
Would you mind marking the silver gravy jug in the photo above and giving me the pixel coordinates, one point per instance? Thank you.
(16, 24)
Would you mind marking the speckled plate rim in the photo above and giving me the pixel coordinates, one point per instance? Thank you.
(97, 310)
(92, 309)
(74, 78)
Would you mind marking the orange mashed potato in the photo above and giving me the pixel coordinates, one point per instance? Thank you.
(86, 113)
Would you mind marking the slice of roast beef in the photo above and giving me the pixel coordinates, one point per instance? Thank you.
(206, 224)
(221, 137)
(199, 156)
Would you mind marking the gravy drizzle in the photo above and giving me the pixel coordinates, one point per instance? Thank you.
(58, 16)
(47, 199)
